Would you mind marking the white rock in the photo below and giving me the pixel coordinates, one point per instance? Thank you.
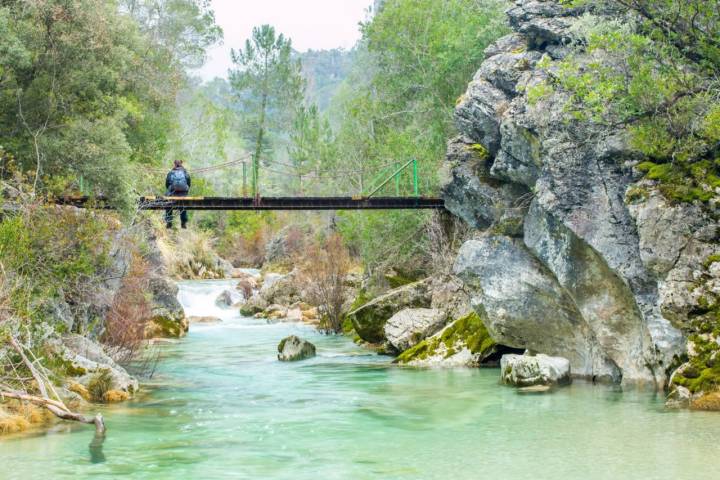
(527, 370)
(408, 327)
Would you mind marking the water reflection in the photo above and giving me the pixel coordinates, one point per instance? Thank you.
(96, 448)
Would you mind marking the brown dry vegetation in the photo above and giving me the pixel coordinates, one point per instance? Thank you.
(323, 268)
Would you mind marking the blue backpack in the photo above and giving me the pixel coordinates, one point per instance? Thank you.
(178, 181)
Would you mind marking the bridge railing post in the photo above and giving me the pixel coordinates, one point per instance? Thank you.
(415, 178)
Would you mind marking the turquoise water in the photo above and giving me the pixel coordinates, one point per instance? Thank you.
(222, 406)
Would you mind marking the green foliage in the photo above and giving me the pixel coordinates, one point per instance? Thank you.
(52, 253)
(87, 87)
(382, 238)
(655, 71)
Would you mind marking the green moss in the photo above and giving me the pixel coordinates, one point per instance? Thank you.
(712, 259)
(702, 374)
(480, 151)
(281, 345)
(468, 331)
(399, 280)
(636, 194)
(682, 182)
(362, 298)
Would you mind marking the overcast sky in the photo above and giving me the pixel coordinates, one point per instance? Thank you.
(312, 24)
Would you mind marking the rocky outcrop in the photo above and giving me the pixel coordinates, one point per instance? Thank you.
(369, 319)
(168, 316)
(531, 370)
(408, 327)
(84, 359)
(578, 258)
(293, 349)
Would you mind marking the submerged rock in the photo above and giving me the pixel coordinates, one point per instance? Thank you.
(408, 327)
(205, 320)
(527, 370)
(293, 348)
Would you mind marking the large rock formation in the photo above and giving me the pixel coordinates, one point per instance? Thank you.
(572, 262)
(369, 319)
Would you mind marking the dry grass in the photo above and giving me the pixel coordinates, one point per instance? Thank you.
(17, 417)
(129, 314)
(709, 402)
(189, 254)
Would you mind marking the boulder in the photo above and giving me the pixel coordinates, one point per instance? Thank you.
(282, 289)
(369, 319)
(255, 304)
(408, 327)
(524, 306)
(84, 358)
(527, 370)
(293, 348)
(465, 342)
(228, 298)
(168, 316)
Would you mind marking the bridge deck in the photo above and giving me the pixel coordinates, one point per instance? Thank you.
(279, 203)
(292, 203)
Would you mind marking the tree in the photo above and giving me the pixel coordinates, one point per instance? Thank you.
(269, 85)
(311, 144)
(86, 91)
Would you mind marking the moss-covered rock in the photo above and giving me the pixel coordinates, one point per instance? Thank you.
(167, 327)
(369, 319)
(465, 341)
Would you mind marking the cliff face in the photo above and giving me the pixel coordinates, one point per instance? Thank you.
(571, 261)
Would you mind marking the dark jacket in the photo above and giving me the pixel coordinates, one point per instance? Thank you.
(167, 180)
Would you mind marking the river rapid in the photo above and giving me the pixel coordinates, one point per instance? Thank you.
(221, 406)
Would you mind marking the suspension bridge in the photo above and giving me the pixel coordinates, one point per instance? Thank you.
(366, 201)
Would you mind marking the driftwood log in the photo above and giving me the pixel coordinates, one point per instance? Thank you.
(56, 407)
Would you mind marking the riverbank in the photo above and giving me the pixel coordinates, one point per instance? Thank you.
(221, 402)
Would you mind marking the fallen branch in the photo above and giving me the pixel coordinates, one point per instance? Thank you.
(56, 407)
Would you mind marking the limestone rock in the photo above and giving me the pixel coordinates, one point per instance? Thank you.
(525, 306)
(472, 195)
(228, 298)
(293, 348)
(168, 316)
(369, 319)
(526, 370)
(465, 342)
(255, 304)
(86, 358)
(408, 327)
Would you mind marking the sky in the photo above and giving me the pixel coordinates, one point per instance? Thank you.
(311, 24)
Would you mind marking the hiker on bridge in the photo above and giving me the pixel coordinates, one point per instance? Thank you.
(177, 184)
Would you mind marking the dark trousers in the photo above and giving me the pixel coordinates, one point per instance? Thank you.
(169, 212)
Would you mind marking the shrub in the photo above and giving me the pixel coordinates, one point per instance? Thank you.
(100, 384)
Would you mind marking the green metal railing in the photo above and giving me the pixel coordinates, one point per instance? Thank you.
(384, 178)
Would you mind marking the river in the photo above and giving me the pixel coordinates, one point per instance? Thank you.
(221, 406)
